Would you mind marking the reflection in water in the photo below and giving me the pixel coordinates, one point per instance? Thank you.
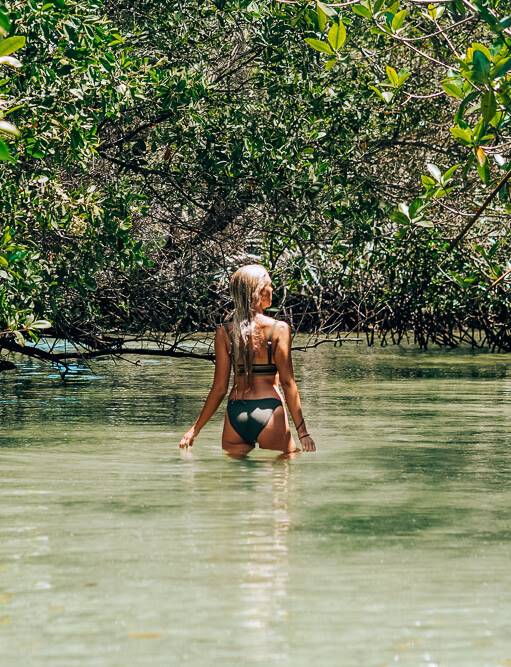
(390, 545)
(264, 579)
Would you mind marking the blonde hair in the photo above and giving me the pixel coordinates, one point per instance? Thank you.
(246, 286)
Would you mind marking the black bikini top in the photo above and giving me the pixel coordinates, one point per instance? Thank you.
(258, 369)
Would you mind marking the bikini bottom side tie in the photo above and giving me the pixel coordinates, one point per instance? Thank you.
(249, 417)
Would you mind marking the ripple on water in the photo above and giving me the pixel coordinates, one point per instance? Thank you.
(390, 546)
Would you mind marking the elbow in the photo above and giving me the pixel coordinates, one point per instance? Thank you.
(219, 391)
(287, 384)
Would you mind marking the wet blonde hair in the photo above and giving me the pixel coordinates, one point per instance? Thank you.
(246, 286)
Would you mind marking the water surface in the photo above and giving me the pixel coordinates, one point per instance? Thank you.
(390, 545)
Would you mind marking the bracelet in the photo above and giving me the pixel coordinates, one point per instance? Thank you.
(305, 435)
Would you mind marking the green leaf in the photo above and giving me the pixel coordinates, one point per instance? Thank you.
(11, 44)
(337, 36)
(398, 20)
(452, 88)
(488, 105)
(360, 10)
(322, 16)
(449, 173)
(465, 135)
(480, 129)
(318, 45)
(427, 181)
(328, 11)
(504, 23)
(404, 75)
(399, 217)
(386, 96)
(464, 104)
(484, 171)
(330, 64)
(5, 23)
(378, 92)
(477, 46)
(415, 207)
(392, 75)
(502, 67)
(481, 67)
(5, 155)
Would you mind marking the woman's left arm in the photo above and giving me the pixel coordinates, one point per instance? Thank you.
(218, 389)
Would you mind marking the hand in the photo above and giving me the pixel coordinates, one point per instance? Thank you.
(188, 438)
(308, 444)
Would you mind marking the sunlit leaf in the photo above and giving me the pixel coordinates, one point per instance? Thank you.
(452, 89)
(481, 155)
(337, 36)
(435, 172)
(360, 10)
(324, 13)
(399, 19)
(392, 75)
(465, 135)
(11, 44)
(41, 324)
(318, 45)
(10, 61)
(9, 128)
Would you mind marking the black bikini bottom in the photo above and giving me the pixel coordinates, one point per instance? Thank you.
(248, 417)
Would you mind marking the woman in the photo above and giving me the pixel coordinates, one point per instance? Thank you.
(259, 350)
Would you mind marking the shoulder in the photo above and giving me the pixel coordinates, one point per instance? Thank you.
(281, 325)
(281, 329)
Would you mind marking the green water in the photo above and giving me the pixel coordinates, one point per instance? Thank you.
(389, 546)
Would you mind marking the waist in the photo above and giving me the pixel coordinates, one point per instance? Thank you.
(257, 402)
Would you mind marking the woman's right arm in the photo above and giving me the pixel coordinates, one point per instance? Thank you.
(284, 364)
(218, 389)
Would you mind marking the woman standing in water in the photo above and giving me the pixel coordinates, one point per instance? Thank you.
(259, 350)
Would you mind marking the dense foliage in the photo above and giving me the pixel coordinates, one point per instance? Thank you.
(360, 150)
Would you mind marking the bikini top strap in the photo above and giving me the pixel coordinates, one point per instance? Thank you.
(270, 343)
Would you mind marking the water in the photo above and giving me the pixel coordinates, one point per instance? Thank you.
(390, 545)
